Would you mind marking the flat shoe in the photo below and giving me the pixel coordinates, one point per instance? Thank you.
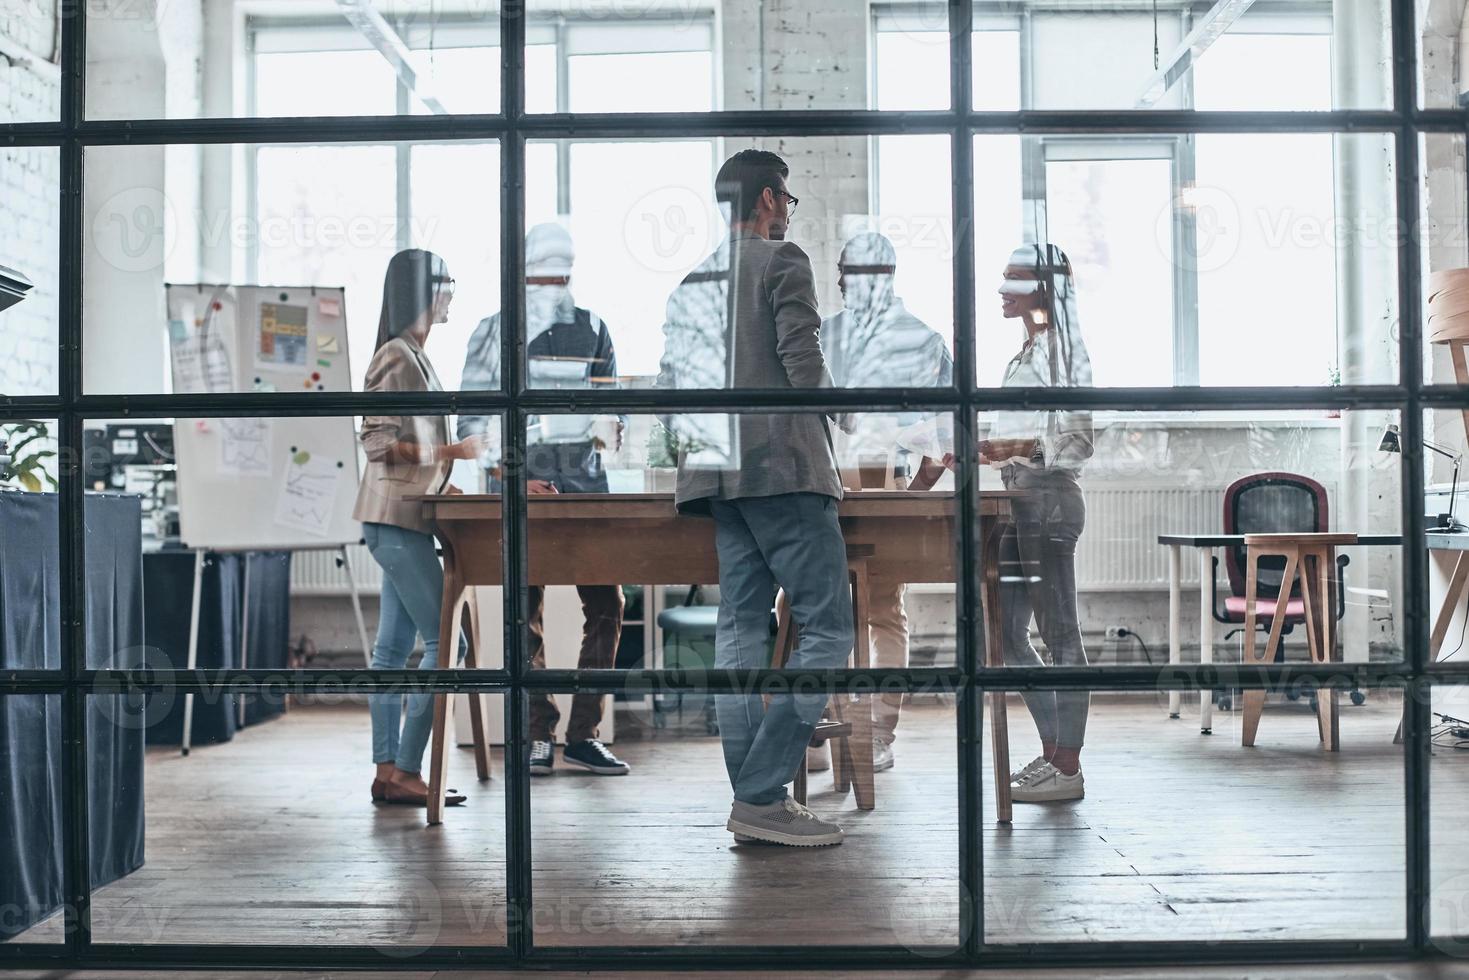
(420, 799)
(379, 791)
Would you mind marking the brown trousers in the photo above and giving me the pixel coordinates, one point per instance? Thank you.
(601, 628)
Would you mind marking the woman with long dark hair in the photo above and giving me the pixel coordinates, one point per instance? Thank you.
(406, 455)
(1041, 453)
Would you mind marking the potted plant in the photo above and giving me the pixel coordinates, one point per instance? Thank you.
(1333, 378)
(22, 462)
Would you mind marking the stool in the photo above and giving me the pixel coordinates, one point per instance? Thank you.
(851, 730)
(688, 624)
(1310, 560)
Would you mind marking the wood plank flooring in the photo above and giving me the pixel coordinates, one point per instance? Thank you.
(271, 839)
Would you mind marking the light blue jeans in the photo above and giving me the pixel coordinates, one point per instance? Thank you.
(413, 591)
(792, 541)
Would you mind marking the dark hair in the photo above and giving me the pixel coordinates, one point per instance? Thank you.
(409, 287)
(744, 177)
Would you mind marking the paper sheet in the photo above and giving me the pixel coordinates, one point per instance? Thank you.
(244, 447)
(282, 338)
(200, 364)
(308, 492)
(931, 437)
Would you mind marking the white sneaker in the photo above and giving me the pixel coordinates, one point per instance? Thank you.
(1030, 767)
(882, 755)
(1047, 784)
(785, 822)
(818, 757)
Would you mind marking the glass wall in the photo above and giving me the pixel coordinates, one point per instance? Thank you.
(486, 523)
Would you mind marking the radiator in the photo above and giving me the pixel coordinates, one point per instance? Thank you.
(1118, 550)
(315, 573)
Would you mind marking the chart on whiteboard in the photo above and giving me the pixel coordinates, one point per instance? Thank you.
(244, 447)
(308, 492)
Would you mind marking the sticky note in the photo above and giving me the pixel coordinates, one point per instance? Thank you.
(323, 362)
(326, 344)
(329, 306)
(176, 330)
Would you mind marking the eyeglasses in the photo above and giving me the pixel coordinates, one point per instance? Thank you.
(445, 284)
(792, 198)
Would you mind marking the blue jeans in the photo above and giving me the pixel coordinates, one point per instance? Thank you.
(792, 541)
(413, 592)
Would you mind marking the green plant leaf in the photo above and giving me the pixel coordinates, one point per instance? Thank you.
(29, 481)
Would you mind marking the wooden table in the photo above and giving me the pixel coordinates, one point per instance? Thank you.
(611, 539)
(1455, 541)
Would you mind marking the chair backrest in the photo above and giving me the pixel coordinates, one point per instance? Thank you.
(1266, 503)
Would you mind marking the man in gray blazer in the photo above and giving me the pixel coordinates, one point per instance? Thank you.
(747, 318)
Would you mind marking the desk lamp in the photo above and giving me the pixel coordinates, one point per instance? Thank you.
(1392, 442)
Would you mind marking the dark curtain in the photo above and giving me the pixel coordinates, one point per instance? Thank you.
(170, 588)
(30, 725)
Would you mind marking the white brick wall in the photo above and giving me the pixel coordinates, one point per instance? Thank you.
(29, 204)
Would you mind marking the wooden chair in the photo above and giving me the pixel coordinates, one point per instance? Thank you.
(849, 727)
(1310, 560)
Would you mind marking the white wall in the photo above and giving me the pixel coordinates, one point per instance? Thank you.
(30, 190)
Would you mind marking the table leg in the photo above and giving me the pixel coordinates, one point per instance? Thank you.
(1458, 579)
(444, 703)
(1175, 614)
(1206, 635)
(995, 656)
(476, 700)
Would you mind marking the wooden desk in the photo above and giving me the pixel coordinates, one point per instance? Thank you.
(1458, 584)
(610, 539)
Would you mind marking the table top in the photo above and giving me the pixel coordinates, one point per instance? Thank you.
(855, 503)
(1226, 540)
(1447, 540)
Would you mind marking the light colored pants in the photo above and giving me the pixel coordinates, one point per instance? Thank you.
(413, 592)
(791, 541)
(887, 619)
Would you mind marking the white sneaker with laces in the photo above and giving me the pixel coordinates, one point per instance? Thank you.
(1047, 784)
(882, 755)
(784, 822)
(1029, 768)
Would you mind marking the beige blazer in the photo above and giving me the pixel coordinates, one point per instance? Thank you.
(400, 365)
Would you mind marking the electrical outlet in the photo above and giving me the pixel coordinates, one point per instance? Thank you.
(1114, 632)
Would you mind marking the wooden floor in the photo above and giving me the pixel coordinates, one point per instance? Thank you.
(271, 839)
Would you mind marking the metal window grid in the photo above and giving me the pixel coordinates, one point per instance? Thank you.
(969, 680)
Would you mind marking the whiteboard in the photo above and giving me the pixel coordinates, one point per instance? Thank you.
(267, 484)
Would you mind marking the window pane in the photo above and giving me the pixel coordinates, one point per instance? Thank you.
(310, 220)
(30, 269)
(30, 71)
(1448, 896)
(1225, 56)
(369, 877)
(675, 81)
(644, 225)
(996, 69)
(1090, 204)
(1444, 253)
(1213, 259)
(793, 56)
(32, 894)
(1232, 850)
(385, 57)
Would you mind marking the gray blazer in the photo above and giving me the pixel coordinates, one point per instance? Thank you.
(747, 317)
(400, 365)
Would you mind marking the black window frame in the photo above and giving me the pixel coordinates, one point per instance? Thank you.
(73, 134)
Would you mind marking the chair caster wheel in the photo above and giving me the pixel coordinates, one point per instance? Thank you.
(1206, 731)
(1359, 697)
(1173, 714)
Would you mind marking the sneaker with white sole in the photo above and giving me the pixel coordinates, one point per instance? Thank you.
(784, 822)
(1029, 768)
(541, 759)
(882, 755)
(590, 754)
(1047, 784)
(818, 757)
